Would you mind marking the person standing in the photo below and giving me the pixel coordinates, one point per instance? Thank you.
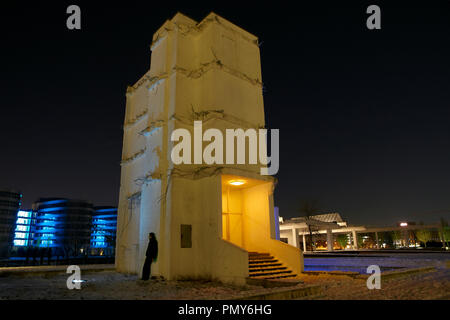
(150, 256)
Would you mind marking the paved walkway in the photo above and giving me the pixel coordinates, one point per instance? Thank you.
(10, 271)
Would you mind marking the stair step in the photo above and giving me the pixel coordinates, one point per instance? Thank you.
(265, 265)
(261, 265)
(271, 273)
(267, 269)
(280, 277)
(262, 261)
(261, 258)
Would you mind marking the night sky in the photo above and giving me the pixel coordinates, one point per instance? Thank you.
(364, 116)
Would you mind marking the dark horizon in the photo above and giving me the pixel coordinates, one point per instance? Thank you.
(363, 115)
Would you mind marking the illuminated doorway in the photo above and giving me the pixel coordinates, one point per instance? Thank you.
(232, 212)
(246, 214)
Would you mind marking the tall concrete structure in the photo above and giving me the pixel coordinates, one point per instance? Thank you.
(206, 223)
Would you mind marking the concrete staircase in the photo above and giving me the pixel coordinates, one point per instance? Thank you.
(265, 266)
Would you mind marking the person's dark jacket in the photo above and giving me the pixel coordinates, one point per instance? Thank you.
(152, 249)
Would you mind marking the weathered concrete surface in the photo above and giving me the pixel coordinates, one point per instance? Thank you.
(208, 71)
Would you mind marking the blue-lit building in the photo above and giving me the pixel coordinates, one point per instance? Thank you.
(10, 202)
(104, 226)
(68, 227)
(62, 224)
(23, 233)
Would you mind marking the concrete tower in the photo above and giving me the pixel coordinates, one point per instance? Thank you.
(208, 71)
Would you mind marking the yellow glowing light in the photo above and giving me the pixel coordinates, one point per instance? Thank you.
(236, 182)
(403, 224)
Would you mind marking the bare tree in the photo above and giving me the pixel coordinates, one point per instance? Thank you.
(308, 209)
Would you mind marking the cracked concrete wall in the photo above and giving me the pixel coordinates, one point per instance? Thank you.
(209, 70)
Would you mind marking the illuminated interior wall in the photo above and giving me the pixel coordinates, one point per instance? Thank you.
(246, 212)
(259, 217)
(232, 215)
(251, 223)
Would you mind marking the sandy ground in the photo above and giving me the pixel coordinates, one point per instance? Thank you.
(112, 285)
(424, 286)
